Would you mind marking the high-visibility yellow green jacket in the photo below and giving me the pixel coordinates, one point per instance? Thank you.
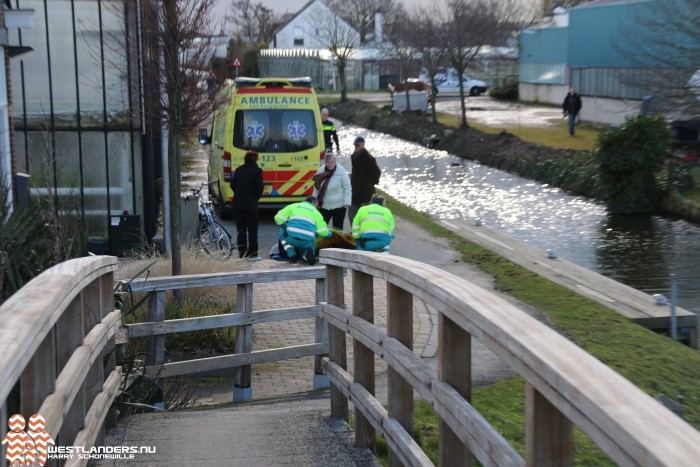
(303, 220)
(373, 219)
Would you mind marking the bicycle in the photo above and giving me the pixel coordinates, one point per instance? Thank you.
(213, 236)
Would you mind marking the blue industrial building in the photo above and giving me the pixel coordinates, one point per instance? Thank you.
(615, 52)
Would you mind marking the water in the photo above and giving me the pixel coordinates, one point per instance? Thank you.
(640, 251)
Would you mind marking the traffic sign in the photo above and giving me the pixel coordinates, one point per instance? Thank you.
(237, 62)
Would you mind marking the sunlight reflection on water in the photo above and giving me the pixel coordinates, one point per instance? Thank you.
(640, 251)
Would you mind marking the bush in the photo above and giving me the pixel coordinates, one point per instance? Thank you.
(630, 159)
(507, 92)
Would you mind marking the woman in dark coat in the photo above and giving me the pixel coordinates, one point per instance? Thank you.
(365, 175)
(247, 186)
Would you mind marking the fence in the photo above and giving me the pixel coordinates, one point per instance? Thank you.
(57, 342)
(565, 386)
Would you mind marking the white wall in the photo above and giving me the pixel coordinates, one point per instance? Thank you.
(595, 109)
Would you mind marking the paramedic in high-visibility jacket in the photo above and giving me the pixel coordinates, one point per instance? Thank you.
(373, 226)
(300, 223)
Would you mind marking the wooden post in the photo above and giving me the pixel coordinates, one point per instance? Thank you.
(549, 437)
(336, 339)
(363, 307)
(321, 336)
(69, 328)
(455, 368)
(109, 355)
(399, 325)
(92, 316)
(244, 344)
(156, 343)
(38, 379)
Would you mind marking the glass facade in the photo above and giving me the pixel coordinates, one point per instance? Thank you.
(76, 108)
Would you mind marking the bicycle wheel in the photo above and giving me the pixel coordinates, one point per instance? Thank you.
(215, 239)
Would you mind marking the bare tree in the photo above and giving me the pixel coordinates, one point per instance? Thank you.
(180, 57)
(431, 49)
(662, 40)
(404, 51)
(342, 41)
(471, 26)
(360, 14)
(256, 24)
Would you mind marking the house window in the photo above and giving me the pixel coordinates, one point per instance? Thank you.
(298, 36)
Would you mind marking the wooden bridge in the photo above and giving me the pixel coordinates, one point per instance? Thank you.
(57, 340)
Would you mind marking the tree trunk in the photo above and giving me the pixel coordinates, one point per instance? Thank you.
(461, 99)
(343, 81)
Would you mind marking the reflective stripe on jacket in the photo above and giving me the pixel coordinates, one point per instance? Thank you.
(373, 219)
(302, 220)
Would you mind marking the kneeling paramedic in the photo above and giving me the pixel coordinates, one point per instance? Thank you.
(373, 226)
(300, 223)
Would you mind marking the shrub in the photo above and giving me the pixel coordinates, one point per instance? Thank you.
(630, 159)
(507, 91)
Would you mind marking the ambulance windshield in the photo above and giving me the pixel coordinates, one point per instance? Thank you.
(275, 130)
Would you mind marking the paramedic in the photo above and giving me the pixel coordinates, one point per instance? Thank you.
(300, 223)
(373, 226)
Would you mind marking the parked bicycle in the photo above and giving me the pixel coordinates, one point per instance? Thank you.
(213, 236)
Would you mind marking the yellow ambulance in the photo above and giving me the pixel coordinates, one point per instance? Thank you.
(280, 119)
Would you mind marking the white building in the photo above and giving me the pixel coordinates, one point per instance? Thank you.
(308, 29)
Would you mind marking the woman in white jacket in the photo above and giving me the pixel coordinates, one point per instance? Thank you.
(332, 189)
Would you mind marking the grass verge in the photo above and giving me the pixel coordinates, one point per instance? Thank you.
(651, 361)
(555, 136)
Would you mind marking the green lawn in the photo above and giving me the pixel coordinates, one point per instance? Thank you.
(556, 135)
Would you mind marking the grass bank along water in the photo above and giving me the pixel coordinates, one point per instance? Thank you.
(574, 171)
(653, 362)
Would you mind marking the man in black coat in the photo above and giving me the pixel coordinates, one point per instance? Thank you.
(247, 186)
(571, 107)
(365, 175)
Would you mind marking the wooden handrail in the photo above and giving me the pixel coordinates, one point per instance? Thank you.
(55, 333)
(243, 318)
(564, 384)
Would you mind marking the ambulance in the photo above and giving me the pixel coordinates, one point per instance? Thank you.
(280, 119)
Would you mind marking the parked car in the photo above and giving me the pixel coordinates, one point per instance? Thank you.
(448, 81)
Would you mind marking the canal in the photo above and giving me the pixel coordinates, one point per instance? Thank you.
(640, 251)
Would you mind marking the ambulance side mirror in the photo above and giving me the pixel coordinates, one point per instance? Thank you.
(204, 137)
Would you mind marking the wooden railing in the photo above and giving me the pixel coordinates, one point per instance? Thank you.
(565, 386)
(57, 347)
(244, 317)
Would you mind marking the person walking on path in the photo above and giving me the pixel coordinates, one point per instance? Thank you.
(373, 226)
(247, 186)
(333, 191)
(300, 223)
(571, 107)
(365, 175)
(329, 133)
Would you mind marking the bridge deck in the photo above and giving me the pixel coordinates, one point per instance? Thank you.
(284, 431)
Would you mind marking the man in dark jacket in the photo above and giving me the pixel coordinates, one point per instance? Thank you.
(571, 107)
(365, 175)
(247, 186)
